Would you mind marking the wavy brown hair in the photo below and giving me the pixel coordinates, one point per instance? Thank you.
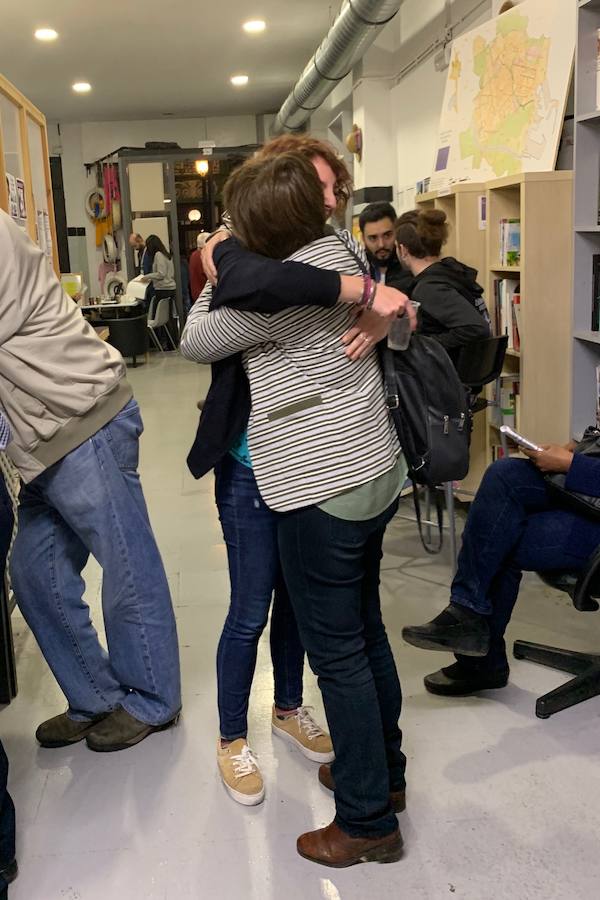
(422, 231)
(310, 147)
(276, 204)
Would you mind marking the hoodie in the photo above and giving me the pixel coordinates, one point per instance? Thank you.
(452, 309)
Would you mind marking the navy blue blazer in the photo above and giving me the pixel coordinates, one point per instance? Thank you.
(255, 283)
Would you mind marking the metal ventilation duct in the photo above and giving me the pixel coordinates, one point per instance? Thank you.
(354, 30)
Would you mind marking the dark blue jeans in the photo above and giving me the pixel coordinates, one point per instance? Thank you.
(91, 502)
(331, 567)
(513, 526)
(250, 532)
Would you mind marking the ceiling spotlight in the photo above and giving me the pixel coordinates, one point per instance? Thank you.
(194, 215)
(254, 26)
(82, 87)
(45, 34)
(239, 80)
(201, 166)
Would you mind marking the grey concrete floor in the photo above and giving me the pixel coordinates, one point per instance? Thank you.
(500, 804)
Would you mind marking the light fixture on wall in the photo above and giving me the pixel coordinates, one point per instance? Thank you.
(45, 34)
(354, 142)
(82, 87)
(194, 215)
(201, 166)
(239, 80)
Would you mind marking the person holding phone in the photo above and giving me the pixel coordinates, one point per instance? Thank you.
(515, 524)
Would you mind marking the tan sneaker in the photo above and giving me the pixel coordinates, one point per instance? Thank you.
(302, 731)
(240, 773)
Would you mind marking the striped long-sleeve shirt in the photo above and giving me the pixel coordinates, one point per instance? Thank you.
(4, 432)
(319, 423)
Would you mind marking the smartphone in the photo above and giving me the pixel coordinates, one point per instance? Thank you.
(518, 438)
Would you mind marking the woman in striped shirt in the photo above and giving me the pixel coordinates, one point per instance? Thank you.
(327, 458)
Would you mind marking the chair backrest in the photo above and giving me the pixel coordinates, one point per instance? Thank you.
(481, 362)
(583, 586)
(161, 313)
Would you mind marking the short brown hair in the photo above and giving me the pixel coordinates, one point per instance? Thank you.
(422, 231)
(310, 147)
(276, 204)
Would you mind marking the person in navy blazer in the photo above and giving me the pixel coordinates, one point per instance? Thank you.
(514, 525)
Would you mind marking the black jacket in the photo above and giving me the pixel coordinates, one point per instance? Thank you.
(452, 307)
(254, 283)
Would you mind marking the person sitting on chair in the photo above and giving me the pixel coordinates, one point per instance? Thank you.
(452, 309)
(514, 525)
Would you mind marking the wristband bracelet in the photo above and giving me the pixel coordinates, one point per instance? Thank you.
(367, 282)
(372, 295)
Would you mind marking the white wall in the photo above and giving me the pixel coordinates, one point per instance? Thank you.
(416, 102)
(85, 142)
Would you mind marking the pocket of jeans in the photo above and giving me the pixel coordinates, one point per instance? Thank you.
(123, 433)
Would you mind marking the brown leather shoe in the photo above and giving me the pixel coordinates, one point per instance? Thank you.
(331, 846)
(397, 798)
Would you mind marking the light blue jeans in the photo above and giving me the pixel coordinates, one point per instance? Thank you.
(91, 502)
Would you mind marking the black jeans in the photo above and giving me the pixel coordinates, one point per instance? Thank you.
(7, 809)
(331, 567)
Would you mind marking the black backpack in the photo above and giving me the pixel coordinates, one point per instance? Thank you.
(429, 407)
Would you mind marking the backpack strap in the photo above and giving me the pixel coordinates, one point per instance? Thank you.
(432, 549)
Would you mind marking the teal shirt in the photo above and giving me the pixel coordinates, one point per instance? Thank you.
(240, 450)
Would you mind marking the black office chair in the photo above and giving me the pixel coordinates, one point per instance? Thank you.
(129, 336)
(478, 363)
(583, 587)
(481, 362)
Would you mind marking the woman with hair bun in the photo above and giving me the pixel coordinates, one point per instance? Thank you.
(452, 308)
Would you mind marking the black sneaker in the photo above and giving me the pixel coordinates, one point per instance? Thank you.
(457, 629)
(456, 681)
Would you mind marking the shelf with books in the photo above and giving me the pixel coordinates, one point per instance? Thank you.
(542, 205)
(586, 238)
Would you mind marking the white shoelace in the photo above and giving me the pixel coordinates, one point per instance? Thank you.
(308, 724)
(244, 763)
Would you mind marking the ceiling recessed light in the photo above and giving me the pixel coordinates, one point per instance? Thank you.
(254, 26)
(45, 34)
(239, 80)
(82, 87)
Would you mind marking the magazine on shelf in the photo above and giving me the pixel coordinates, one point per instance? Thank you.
(504, 407)
(510, 242)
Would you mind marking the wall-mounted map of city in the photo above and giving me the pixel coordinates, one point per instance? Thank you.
(506, 93)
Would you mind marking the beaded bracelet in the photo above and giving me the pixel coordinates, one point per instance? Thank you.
(367, 282)
(371, 299)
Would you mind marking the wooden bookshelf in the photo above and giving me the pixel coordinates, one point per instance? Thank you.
(543, 203)
(586, 236)
(24, 155)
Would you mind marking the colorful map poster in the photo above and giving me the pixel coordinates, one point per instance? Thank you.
(506, 94)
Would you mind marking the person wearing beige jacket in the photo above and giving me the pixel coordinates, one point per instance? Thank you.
(75, 438)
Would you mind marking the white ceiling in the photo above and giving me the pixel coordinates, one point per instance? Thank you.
(145, 58)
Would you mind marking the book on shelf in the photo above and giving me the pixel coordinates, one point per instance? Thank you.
(597, 396)
(596, 292)
(505, 405)
(507, 309)
(510, 242)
